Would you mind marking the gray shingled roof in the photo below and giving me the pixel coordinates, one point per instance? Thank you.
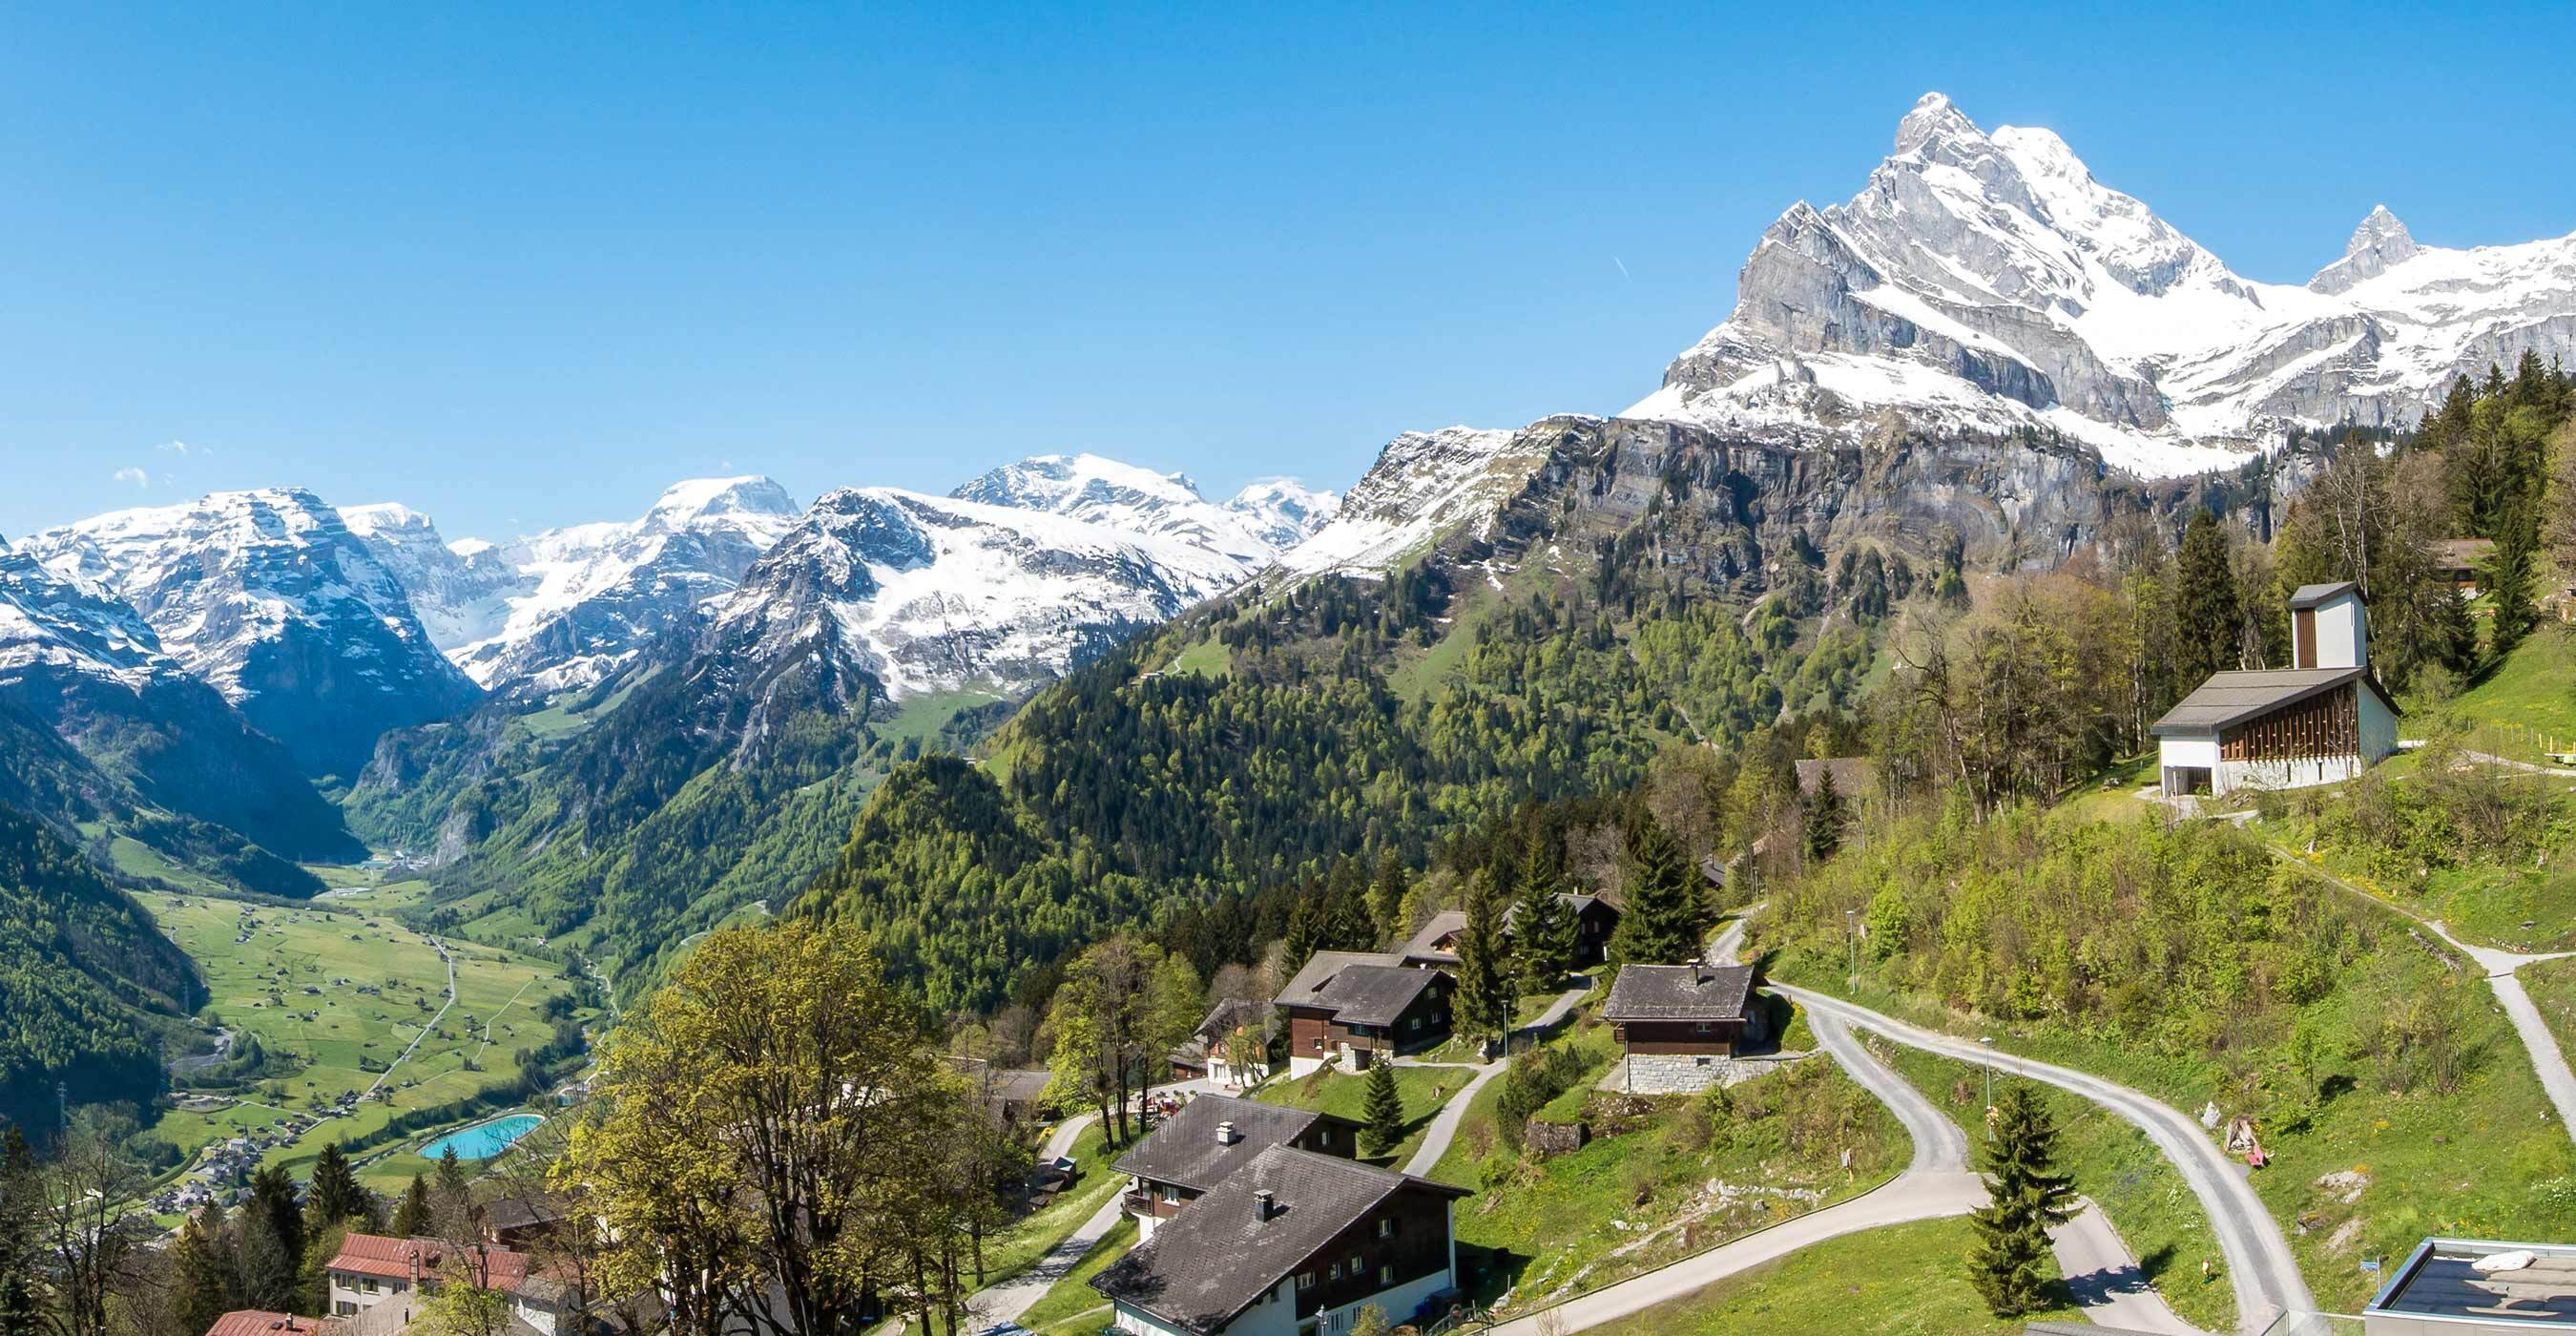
(1358, 987)
(1184, 1150)
(1679, 993)
(2309, 596)
(2232, 698)
(1218, 1256)
(1441, 925)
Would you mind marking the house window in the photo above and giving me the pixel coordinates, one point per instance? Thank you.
(1386, 1228)
(1337, 1271)
(1701, 1028)
(1386, 1275)
(1357, 1270)
(344, 1308)
(1305, 1280)
(1319, 1043)
(1170, 1193)
(367, 1286)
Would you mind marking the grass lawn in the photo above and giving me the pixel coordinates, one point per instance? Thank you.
(1208, 658)
(2113, 1163)
(2552, 985)
(2526, 909)
(1906, 1280)
(346, 992)
(1018, 1248)
(2529, 701)
(1072, 1306)
(1421, 1090)
(1664, 1178)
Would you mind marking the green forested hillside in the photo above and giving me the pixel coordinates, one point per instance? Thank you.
(88, 985)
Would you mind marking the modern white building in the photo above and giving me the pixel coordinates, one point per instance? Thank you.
(2324, 720)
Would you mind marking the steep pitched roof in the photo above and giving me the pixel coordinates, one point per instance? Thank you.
(1424, 944)
(1680, 993)
(1185, 1149)
(2227, 699)
(1358, 987)
(1221, 1253)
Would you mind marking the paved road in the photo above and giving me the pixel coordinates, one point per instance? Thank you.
(2106, 1279)
(1006, 1301)
(2266, 1278)
(2547, 1058)
(1444, 1125)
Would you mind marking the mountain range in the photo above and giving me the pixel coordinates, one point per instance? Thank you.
(630, 728)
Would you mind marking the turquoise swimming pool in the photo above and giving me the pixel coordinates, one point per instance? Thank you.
(484, 1140)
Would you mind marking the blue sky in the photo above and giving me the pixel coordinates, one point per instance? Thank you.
(525, 268)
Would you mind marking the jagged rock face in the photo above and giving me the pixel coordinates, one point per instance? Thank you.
(89, 667)
(1424, 484)
(1724, 510)
(569, 607)
(268, 597)
(1987, 284)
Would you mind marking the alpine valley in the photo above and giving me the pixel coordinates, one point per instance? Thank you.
(595, 743)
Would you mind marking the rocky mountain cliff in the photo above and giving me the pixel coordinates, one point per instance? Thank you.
(1989, 284)
(271, 599)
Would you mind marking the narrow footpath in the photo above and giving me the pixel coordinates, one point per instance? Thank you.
(2548, 1060)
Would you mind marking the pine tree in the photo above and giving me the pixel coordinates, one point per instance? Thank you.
(336, 1196)
(1543, 941)
(1484, 1007)
(1666, 918)
(412, 1218)
(272, 1241)
(1304, 933)
(1825, 818)
(2208, 623)
(1386, 896)
(1382, 1112)
(2511, 574)
(205, 1280)
(2010, 1261)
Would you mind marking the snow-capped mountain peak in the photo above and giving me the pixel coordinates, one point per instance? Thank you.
(1249, 529)
(1423, 484)
(1989, 283)
(720, 500)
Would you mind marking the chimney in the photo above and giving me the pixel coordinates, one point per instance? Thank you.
(1264, 1204)
(1225, 1134)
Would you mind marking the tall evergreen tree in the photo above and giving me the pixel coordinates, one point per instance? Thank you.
(335, 1195)
(2027, 1196)
(205, 1280)
(2511, 578)
(1305, 932)
(1386, 896)
(272, 1241)
(1666, 918)
(1381, 1111)
(2208, 624)
(1484, 1006)
(413, 1218)
(1825, 818)
(1543, 941)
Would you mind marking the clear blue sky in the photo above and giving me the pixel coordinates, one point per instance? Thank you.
(519, 271)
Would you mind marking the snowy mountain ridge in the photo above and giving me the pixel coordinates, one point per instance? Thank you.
(1252, 527)
(1988, 283)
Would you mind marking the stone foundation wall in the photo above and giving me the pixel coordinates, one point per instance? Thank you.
(1671, 1073)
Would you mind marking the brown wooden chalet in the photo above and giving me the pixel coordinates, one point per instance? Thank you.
(1355, 1006)
(1676, 1024)
(1291, 1242)
(1209, 1139)
(1436, 945)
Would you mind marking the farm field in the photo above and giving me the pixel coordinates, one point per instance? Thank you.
(343, 993)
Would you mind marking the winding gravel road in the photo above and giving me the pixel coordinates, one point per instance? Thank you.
(2259, 1265)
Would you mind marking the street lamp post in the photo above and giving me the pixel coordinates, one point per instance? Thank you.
(1989, 1042)
(1851, 933)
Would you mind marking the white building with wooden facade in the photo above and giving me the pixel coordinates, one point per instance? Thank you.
(2325, 720)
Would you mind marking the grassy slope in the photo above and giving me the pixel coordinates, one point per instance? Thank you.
(2529, 701)
(1422, 1090)
(1908, 1280)
(258, 987)
(1642, 1193)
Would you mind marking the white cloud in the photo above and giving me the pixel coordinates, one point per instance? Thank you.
(135, 476)
(175, 446)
